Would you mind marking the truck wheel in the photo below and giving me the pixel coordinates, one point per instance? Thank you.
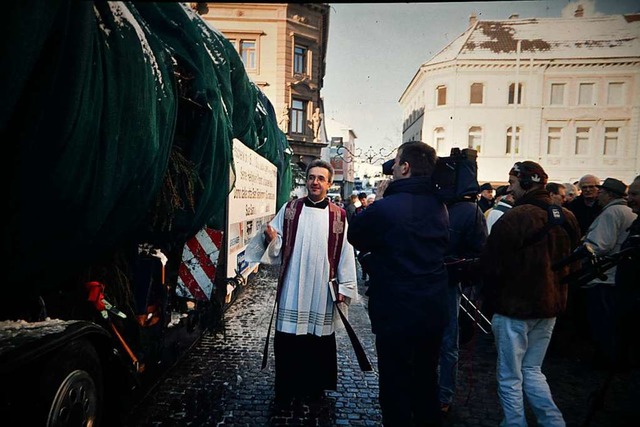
(71, 387)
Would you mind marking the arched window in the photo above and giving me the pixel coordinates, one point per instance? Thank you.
(438, 139)
(513, 146)
(475, 138)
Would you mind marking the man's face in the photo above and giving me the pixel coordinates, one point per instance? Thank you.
(514, 188)
(399, 168)
(603, 197)
(318, 183)
(487, 194)
(589, 189)
(634, 196)
(559, 199)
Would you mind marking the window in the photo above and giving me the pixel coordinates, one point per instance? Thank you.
(248, 53)
(582, 141)
(512, 93)
(438, 137)
(298, 116)
(554, 140)
(557, 94)
(300, 59)
(475, 138)
(441, 92)
(476, 93)
(615, 94)
(611, 141)
(247, 44)
(585, 94)
(513, 148)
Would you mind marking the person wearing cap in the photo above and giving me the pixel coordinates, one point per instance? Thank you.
(605, 237)
(628, 288)
(585, 207)
(486, 200)
(524, 294)
(504, 203)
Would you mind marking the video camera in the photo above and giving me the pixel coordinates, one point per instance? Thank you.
(454, 177)
(594, 266)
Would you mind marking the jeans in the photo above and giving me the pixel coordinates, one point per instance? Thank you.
(448, 366)
(521, 346)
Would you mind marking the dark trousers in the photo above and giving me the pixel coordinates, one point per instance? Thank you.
(306, 365)
(409, 380)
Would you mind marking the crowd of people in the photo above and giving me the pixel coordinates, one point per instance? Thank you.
(537, 252)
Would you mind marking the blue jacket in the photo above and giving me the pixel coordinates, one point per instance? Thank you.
(406, 233)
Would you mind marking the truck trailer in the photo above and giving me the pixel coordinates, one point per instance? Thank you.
(134, 133)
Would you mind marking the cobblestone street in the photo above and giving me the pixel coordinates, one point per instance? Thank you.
(220, 383)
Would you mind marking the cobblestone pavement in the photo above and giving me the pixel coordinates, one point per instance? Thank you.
(220, 383)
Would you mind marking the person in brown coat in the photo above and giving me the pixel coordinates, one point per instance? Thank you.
(524, 293)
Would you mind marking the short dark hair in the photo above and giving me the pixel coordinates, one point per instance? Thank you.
(554, 187)
(420, 156)
(362, 195)
(319, 163)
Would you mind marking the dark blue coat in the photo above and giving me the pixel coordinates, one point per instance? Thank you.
(406, 233)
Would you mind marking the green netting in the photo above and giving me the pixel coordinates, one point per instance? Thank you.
(121, 116)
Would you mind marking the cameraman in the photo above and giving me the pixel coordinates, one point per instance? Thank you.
(605, 236)
(467, 236)
(628, 287)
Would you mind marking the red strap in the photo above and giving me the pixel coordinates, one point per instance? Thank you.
(337, 217)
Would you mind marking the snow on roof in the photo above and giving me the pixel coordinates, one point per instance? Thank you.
(614, 36)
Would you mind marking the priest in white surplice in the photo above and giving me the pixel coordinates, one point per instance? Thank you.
(310, 237)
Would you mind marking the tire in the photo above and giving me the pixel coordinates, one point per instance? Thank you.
(71, 388)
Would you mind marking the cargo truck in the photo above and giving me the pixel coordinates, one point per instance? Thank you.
(142, 158)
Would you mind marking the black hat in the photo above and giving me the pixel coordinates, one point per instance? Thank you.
(615, 186)
(501, 190)
(486, 186)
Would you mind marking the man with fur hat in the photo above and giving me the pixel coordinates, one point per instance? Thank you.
(604, 237)
(523, 292)
(486, 200)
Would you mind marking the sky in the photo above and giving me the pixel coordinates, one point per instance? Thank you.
(375, 49)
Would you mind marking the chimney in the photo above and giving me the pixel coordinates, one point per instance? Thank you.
(514, 16)
(473, 18)
(579, 13)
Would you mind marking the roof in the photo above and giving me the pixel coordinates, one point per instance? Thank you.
(614, 36)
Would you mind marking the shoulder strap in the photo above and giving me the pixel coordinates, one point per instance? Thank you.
(555, 217)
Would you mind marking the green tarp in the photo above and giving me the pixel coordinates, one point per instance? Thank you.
(120, 118)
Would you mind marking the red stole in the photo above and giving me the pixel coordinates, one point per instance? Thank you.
(337, 217)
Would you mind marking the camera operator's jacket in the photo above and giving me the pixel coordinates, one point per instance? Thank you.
(407, 235)
(517, 277)
(608, 231)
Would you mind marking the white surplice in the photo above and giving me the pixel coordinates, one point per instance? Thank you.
(305, 305)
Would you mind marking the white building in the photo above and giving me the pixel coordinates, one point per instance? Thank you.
(570, 87)
(340, 153)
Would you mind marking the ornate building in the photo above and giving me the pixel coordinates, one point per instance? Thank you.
(561, 91)
(283, 47)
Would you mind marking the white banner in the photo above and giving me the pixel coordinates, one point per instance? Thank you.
(252, 203)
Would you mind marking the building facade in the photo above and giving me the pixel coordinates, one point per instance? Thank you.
(564, 92)
(283, 47)
(341, 153)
